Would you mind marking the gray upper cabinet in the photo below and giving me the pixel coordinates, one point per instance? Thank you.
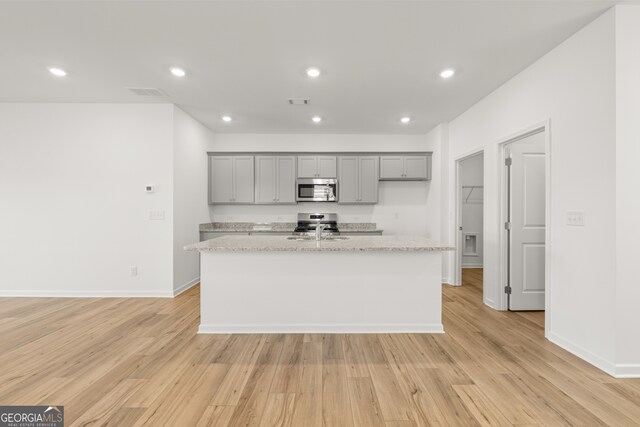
(317, 166)
(369, 174)
(327, 167)
(286, 179)
(275, 179)
(399, 168)
(416, 167)
(231, 179)
(265, 179)
(220, 186)
(358, 179)
(348, 179)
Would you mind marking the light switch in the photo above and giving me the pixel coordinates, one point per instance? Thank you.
(575, 219)
(156, 215)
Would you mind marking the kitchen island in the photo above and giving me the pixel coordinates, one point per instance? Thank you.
(360, 284)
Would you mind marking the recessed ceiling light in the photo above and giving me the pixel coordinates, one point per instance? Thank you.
(445, 74)
(313, 72)
(57, 72)
(316, 119)
(226, 119)
(178, 72)
(405, 119)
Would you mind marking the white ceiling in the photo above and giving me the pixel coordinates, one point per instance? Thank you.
(380, 60)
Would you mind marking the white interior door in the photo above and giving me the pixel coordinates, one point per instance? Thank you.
(527, 223)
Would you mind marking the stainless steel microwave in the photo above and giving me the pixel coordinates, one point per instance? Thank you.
(317, 190)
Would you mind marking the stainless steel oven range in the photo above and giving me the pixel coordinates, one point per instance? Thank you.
(308, 222)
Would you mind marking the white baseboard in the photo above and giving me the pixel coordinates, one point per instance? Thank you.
(322, 329)
(472, 265)
(184, 287)
(627, 370)
(84, 294)
(597, 361)
(489, 302)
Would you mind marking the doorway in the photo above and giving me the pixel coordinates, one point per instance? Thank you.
(470, 220)
(525, 214)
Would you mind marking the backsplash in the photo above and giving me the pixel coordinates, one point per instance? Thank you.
(403, 209)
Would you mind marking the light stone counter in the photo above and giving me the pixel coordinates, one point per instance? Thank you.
(350, 244)
(245, 227)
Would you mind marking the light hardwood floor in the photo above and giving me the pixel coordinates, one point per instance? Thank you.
(125, 362)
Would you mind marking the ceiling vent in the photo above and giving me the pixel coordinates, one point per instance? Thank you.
(148, 91)
(298, 101)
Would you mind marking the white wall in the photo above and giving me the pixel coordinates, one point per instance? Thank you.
(574, 87)
(191, 142)
(472, 174)
(73, 210)
(627, 194)
(403, 208)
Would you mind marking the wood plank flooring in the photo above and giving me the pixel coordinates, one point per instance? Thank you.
(135, 362)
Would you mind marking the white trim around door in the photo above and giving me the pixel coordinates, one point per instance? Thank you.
(457, 264)
(545, 127)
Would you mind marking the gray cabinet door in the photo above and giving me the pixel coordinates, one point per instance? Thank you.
(400, 168)
(266, 190)
(358, 179)
(415, 167)
(317, 167)
(307, 167)
(220, 179)
(326, 167)
(368, 179)
(348, 179)
(391, 167)
(243, 179)
(285, 179)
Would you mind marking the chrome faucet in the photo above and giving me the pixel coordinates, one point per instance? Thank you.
(319, 229)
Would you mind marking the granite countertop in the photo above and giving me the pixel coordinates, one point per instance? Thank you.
(246, 227)
(351, 244)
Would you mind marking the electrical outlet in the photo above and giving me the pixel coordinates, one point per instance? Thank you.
(134, 271)
(575, 219)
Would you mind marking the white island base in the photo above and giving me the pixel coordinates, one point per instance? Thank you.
(320, 292)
